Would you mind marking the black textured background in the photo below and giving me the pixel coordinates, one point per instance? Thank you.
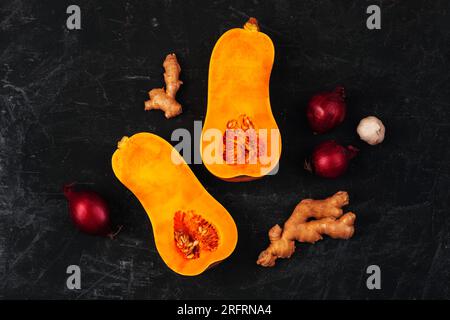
(67, 97)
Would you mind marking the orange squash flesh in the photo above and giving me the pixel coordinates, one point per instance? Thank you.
(164, 184)
(239, 75)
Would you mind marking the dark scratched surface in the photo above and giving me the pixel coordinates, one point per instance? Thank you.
(67, 97)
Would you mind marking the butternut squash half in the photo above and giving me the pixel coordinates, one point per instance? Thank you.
(239, 113)
(192, 230)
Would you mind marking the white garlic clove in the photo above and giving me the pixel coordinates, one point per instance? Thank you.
(371, 130)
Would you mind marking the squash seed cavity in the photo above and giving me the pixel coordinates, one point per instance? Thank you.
(193, 233)
(241, 141)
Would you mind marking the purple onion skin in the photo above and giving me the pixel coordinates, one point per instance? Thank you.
(326, 110)
(331, 160)
(89, 211)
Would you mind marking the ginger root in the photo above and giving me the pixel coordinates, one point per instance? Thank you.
(164, 99)
(330, 221)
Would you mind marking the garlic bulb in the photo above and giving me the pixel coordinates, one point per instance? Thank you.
(371, 130)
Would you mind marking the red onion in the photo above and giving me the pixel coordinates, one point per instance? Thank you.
(326, 110)
(89, 212)
(330, 160)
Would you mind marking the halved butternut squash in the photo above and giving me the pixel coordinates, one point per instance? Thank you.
(192, 230)
(239, 103)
